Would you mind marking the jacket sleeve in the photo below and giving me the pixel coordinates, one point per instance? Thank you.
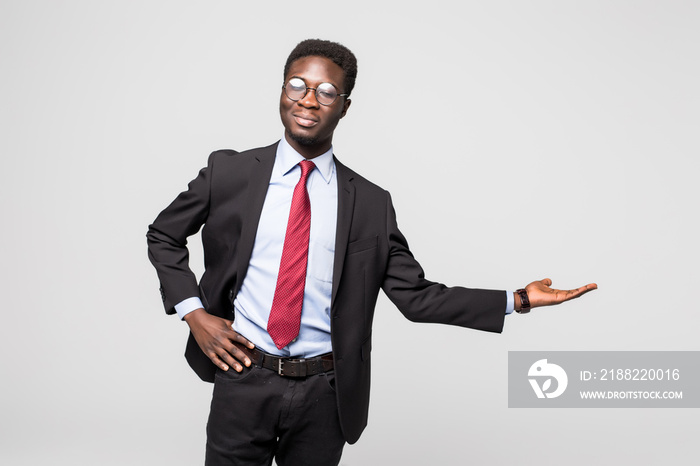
(167, 239)
(421, 300)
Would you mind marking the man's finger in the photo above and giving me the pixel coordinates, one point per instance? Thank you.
(571, 294)
(243, 340)
(235, 336)
(230, 354)
(240, 355)
(586, 289)
(231, 361)
(217, 361)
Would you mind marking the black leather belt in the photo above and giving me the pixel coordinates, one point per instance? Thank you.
(289, 367)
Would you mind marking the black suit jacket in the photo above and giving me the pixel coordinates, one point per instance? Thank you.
(370, 253)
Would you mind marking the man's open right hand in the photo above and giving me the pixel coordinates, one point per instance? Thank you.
(214, 336)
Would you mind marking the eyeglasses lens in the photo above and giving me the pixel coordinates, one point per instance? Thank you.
(295, 89)
(326, 93)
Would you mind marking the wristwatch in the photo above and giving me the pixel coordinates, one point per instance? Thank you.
(524, 302)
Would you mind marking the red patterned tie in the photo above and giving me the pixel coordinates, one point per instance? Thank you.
(285, 315)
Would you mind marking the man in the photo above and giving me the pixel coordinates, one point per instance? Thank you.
(296, 248)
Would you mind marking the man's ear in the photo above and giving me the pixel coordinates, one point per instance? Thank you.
(346, 106)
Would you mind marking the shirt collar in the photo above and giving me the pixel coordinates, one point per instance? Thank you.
(287, 158)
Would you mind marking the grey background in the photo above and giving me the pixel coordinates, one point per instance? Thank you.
(519, 140)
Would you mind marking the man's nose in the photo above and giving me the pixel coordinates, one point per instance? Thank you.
(309, 99)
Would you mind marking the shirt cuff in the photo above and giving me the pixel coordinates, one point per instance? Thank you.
(188, 305)
(510, 303)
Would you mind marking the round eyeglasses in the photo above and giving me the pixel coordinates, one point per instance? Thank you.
(326, 93)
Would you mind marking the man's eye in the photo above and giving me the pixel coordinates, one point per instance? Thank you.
(297, 84)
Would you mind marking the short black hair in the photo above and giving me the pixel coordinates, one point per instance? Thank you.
(337, 53)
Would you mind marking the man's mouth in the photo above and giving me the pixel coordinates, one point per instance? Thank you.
(304, 121)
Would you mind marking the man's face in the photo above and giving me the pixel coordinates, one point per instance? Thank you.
(309, 125)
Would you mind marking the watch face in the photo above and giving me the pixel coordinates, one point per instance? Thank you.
(524, 301)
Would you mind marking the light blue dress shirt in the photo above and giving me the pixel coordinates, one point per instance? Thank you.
(254, 301)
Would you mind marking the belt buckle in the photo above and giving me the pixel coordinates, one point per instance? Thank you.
(298, 368)
(279, 368)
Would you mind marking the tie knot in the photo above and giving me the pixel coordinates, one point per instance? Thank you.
(306, 167)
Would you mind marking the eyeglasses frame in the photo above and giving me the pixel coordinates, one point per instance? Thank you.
(284, 89)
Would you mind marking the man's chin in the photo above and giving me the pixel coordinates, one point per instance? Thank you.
(303, 140)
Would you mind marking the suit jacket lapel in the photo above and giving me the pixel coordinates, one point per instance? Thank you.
(346, 205)
(258, 182)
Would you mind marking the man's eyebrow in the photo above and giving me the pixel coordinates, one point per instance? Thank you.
(299, 77)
